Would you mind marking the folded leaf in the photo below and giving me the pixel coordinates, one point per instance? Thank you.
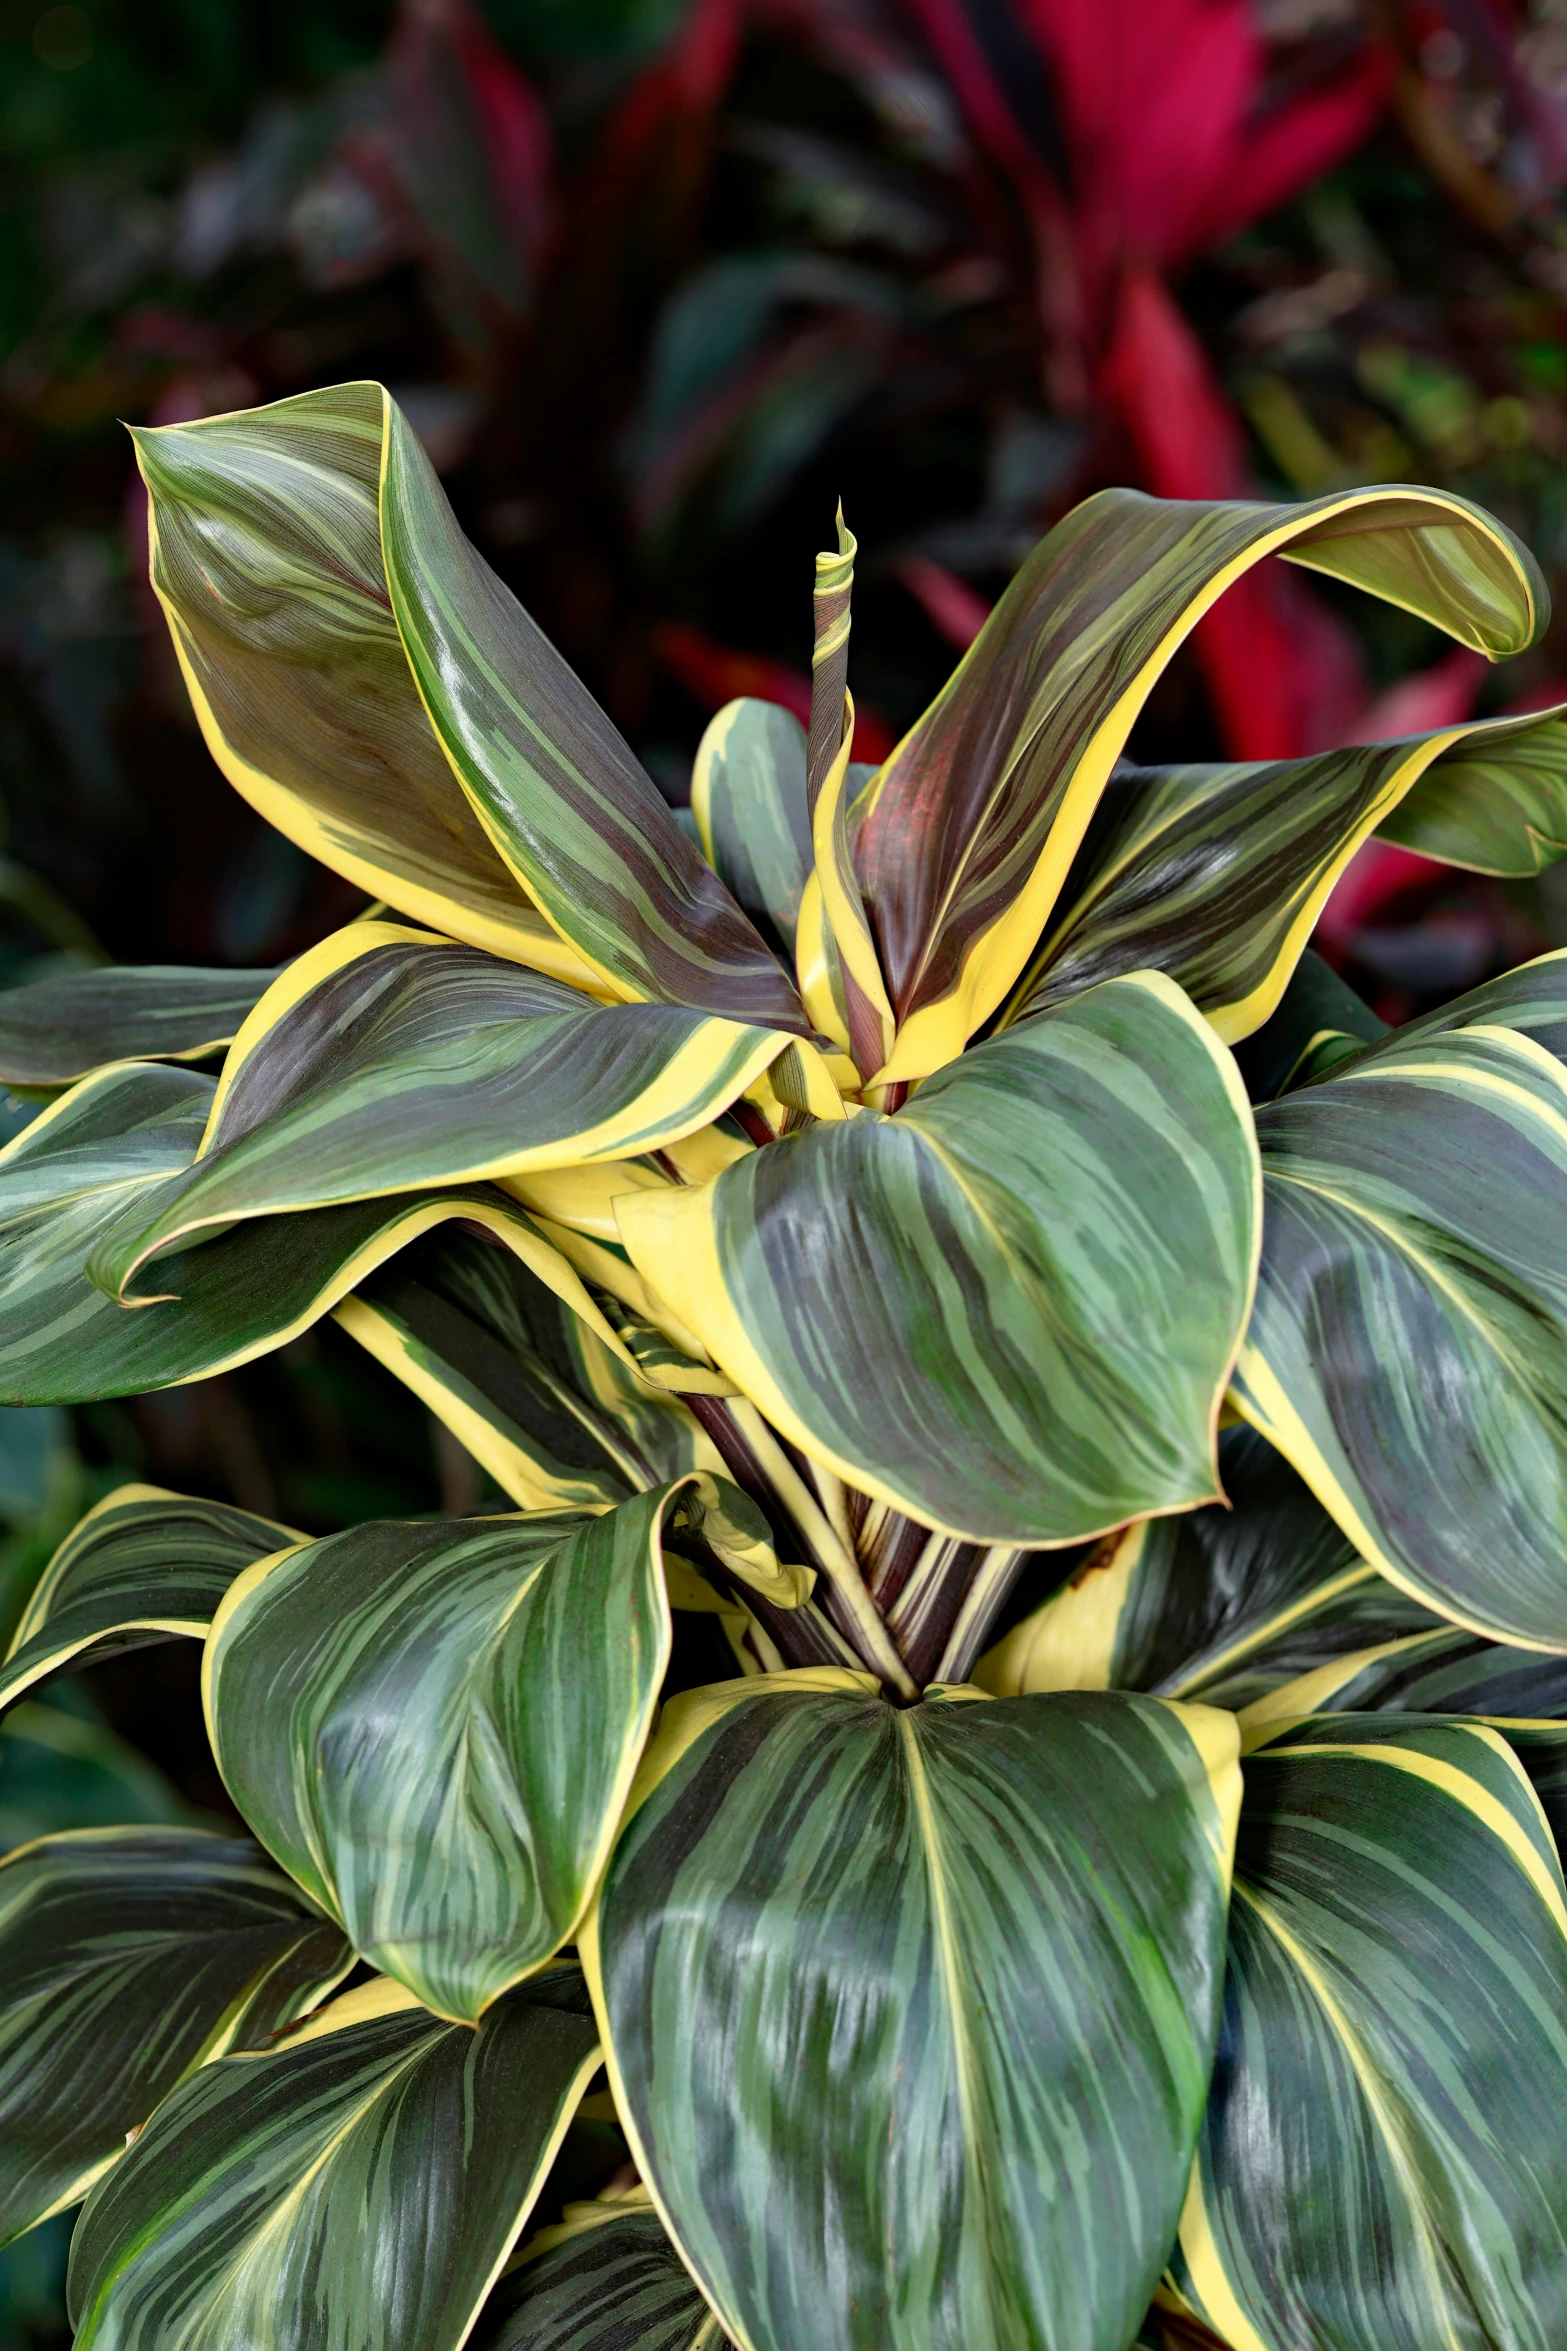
(613, 2280)
(1010, 1309)
(1382, 2165)
(971, 826)
(142, 1566)
(433, 1727)
(1408, 1347)
(54, 1031)
(1218, 1605)
(748, 797)
(911, 2010)
(381, 2161)
(1497, 804)
(384, 1061)
(128, 1957)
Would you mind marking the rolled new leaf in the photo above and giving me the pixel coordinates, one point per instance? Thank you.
(910, 2010)
(1010, 1310)
(142, 1566)
(607, 2278)
(1381, 2164)
(56, 1030)
(379, 2161)
(433, 1727)
(972, 825)
(128, 1957)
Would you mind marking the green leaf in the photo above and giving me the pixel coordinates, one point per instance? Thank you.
(1408, 1347)
(128, 1957)
(559, 1419)
(384, 1061)
(1319, 1022)
(142, 1566)
(911, 2010)
(1500, 809)
(1445, 1671)
(1010, 1310)
(1382, 2165)
(1218, 1605)
(433, 1727)
(372, 2172)
(610, 2282)
(749, 800)
(56, 1030)
(65, 1771)
(970, 828)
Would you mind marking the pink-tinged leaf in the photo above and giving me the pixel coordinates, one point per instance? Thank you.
(520, 148)
(714, 674)
(1285, 150)
(951, 606)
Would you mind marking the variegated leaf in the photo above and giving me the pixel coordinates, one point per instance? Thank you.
(749, 800)
(607, 2279)
(128, 1957)
(1494, 806)
(56, 1030)
(1319, 1023)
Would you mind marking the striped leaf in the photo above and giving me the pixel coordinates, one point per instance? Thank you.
(911, 2010)
(1217, 875)
(1219, 1605)
(611, 2282)
(1319, 1023)
(433, 1728)
(1495, 807)
(1010, 1310)
(1382, 2164)
(373, 2173)
(128, 1957)
(56, 1030)
(143, 1565)
(383, 1061)
(1406, 1351)
(556, 1415)
(972, 825)
(1442, 1671)
(749, 800)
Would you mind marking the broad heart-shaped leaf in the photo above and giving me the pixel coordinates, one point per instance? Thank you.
(1406, 1350)
(968, 831)
(433, 1727)
(749, 800)
(559, 1419)
(611, 2282)
(56, 1030)
(362, 2183)
(127, 1958)
(1217, 875)
(1009, 1310)
(383, 1061)
(1218, 1605)
(143, 1565)
(1382, 2165)
(910, 2011)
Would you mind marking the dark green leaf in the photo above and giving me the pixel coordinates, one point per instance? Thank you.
(611, 2282)
(54, 1031)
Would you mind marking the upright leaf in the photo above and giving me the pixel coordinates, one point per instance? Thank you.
(749, 800)
(56, 1030)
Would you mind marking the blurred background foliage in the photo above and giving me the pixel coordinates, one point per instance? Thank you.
(657, 281)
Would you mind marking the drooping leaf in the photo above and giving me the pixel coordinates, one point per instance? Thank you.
(1010, 1309)
(1406, 1347)
(127, 1958)
(373, 2170)
(749, 800)
(610, 2283)
(143, 1565)
(911, 2010)
(1218, 1605)
(1495, 806)
(384, 1061)
(56, 1030)
(971, 826)
(1319, 1022)
(1382, 2165)
(433, 1727)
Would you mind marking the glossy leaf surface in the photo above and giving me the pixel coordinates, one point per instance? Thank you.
(1497, 804)
(1011, 1308)
(911, 2010)
(53, 1031)
(612, 2283)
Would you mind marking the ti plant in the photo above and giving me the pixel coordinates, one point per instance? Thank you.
(1093, 1401)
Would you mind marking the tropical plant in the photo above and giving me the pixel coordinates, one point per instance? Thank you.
(841, 1236)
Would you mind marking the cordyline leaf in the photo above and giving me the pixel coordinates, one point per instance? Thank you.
(1381, 2168)
(56, 1030)
(910, 2011)
(1494, 806)
(128, 1957)
(749, 800)
(381, 2161)
(608, 2277)
(1218, 1605)
(433, 1727)
(1319, 1023)
(1010, 1309)
(969, 830)
(142, 1566)
(1444, 1671)
(1406, 1347)
(1217, 875)
(384, 1061)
